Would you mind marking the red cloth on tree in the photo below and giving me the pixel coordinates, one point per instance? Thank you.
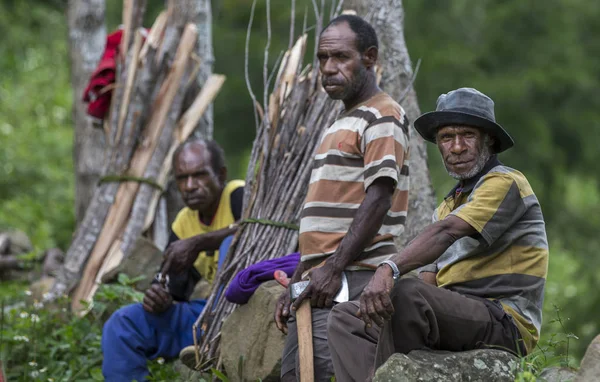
(96, 93)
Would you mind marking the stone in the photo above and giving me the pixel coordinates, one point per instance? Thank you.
(40, 287)
(432, 366)
(201, 290)
(557, 374)
(4, 244)
(145, 260)
(250, 332)
(589, 370)
(19, 242)
(53, 260)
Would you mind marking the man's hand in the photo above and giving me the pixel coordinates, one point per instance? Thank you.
(325, 283)
(282, 311)
(181, 255)
(157, 299)
(375, 303)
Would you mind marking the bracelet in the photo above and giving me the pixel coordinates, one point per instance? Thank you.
(395, 270)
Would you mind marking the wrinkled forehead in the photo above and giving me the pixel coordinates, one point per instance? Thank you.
(338, 37)
(192, 157)
(458, 129)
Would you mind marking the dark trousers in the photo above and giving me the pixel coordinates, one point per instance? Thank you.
(357, 280)
(425, 317)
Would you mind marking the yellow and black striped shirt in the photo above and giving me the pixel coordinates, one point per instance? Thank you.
(508, 259)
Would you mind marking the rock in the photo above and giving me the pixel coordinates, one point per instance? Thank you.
(201, 290)
(432, 366)
(4, 244)
(40, 287)
(53, 260)
(19, 242)
(250, 332)
(144, 260)
(590, 365)
(187, 374)
(557, 374)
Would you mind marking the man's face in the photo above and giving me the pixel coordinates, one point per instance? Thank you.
(343, 72)
(464, 149)
(199, 184)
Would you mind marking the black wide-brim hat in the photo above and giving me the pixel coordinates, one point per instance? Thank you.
(466, 107)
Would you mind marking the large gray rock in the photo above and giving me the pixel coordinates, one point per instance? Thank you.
(557, 374)
(15, 242)
(430, 366)
(250, 332)
(590, 365)
(144, 260)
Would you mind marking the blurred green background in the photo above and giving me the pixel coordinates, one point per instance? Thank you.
(538, 59)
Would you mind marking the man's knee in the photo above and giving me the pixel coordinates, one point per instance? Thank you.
(338, 318)
(123, 317)
(407, 290)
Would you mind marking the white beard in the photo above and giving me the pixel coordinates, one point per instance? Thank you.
(484, 154)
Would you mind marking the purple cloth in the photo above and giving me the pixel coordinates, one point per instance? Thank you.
(247, 281)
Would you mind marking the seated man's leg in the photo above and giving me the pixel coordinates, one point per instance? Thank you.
(323, 365)
(436, 318)
(131, 336)
(352, 345)
(290, 363)
(426, 317)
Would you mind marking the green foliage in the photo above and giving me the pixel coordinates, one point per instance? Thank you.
(36, 170)
(553, 351)
(38, 342)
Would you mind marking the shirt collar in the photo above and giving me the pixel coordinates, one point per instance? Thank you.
(467, 185)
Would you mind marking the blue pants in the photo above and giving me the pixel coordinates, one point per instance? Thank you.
(131, 335)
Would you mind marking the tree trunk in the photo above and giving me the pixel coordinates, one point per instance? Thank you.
(200, 12)
(387, 17)
(87, 38)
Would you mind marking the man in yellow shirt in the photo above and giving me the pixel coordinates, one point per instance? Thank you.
(200, 237)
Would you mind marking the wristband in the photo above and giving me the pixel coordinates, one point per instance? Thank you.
(395, 270)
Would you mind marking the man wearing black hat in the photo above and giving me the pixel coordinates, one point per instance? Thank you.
(484, 257)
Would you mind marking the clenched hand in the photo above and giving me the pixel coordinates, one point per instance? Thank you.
(325, 283)
(375, 303)
(157, 299)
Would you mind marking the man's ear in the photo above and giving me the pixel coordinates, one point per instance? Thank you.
(370, 57)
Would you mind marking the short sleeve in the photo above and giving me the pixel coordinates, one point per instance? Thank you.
(494, 205)
(385, 144)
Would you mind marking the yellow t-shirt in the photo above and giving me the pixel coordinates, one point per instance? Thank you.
(188, 224)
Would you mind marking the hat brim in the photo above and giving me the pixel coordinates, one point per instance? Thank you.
(428, 124)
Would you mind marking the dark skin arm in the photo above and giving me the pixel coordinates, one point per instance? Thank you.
(375, 303)
(325, 281)
(182, 254)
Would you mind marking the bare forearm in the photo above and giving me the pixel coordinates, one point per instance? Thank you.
(424, 249)
(211, 241)
(364, 227)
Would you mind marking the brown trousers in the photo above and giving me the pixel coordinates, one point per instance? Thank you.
(357, 281)
(426, 317)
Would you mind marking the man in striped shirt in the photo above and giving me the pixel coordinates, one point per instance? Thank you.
(358, 192)
(486, 257)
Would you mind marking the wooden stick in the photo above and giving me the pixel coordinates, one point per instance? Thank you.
(120, 209)
(305, 341)
(131, 75)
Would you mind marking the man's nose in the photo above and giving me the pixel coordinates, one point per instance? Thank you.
(458, 146)
(189, 183)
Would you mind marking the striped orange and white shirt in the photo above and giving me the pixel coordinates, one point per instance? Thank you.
(366, 143)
